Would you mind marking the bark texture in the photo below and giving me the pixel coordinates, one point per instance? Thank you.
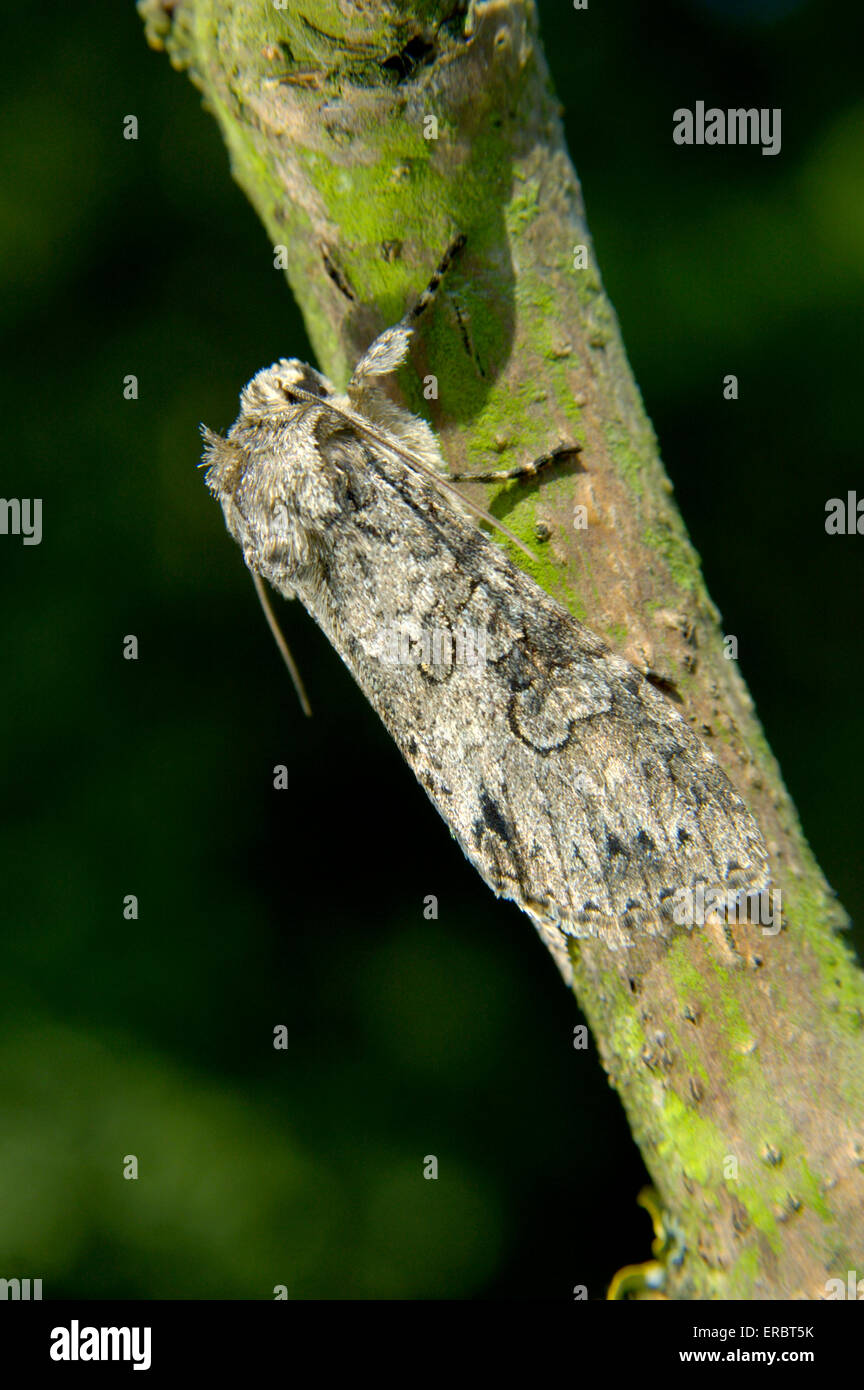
(367, 136)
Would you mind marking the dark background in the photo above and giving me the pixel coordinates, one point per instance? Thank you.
(154, 777)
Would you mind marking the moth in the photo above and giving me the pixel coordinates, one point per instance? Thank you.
(570, 782)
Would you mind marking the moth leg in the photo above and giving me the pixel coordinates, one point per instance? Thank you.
(431, 289)
(390, 348)
(519, 470)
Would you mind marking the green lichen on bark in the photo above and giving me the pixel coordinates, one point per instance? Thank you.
(739, 1058)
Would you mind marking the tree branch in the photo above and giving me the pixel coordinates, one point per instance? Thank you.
(739, 1056)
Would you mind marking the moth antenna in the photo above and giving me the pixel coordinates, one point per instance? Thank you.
(264, 600)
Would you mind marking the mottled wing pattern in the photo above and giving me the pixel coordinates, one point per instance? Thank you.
(572, 785)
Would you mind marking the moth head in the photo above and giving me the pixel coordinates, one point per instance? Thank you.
(276, 389)
(271, 474)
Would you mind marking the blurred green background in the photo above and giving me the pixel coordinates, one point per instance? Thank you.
(258, 908)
